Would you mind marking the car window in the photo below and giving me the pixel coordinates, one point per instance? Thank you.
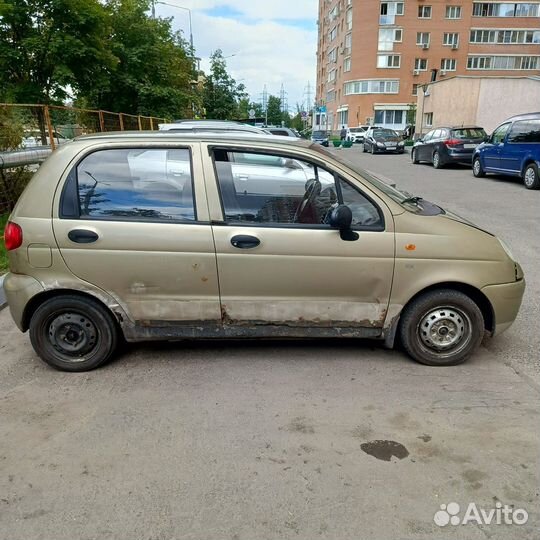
(295, 193)
(428, 136)
(279, 132)
(525, 131)
(468, 133)
(437, 134)
(499, 134)
(136, 184)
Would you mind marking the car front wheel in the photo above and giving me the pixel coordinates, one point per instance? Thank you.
(73, 333)
(477, 168)
(530, 177)
(441, 328)
(414, 157)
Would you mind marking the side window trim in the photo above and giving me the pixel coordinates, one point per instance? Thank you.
(70, 190)
(310, 161)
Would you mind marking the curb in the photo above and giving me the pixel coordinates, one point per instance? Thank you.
(3, 301)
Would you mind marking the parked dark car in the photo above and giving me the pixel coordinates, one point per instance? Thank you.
(513, 149)
(446, 145)
(320, 137)
(282, 131)
(379, 139)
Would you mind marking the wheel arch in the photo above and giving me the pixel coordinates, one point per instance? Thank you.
(526, 162)
(478, 297)
(42, 297)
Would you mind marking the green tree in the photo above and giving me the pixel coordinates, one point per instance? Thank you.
(50, 46)
(221, 94)
(274, 113)
(155, 73)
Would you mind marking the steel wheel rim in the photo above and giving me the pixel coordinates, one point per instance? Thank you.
(529, 176)
(444, 330)
(72, 335)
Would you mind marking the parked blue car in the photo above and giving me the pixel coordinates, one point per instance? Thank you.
(512, 149)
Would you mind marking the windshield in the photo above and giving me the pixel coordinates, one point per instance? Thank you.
(468, 133)
(319, 134)
(401, 197)
(356, 130)
(384, 133)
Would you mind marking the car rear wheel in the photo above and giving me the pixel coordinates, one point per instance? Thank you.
(530, 177)
(477, 168)
(437, 164)
(73, 333)
(441, 328)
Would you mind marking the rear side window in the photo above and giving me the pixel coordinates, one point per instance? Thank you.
(525, 131)
(281, 132)
(136, 184)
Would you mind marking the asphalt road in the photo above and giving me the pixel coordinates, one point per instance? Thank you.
(282, 440)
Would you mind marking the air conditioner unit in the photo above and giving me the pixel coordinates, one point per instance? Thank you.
(416, 72)
(425, 45)
(442, 73)
(454, 46)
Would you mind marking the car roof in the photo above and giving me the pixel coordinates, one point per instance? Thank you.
(209, 125)
(526, 116)
(457, 127)
(168, 136)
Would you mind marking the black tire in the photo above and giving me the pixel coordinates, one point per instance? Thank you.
(530, 176)
(455, 313)
(477, 169)
(414, 159)
(372, 148)
(93, 330)
(436, 160)
(364, 148)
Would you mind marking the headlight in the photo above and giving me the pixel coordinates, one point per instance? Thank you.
(400, 143)
(380, 144)
(506, 249)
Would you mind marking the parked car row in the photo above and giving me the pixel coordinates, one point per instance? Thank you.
(513, 149)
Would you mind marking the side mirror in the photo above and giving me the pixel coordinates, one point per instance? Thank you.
(341, 218)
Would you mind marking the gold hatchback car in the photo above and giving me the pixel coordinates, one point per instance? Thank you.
(159, 236)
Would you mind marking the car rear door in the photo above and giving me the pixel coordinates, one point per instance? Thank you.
(133, 220)
(281, 266)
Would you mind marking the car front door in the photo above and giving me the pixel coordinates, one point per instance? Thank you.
(491, 152)
(518, 145)
(281, 265)
(423, 148)
(134, 222)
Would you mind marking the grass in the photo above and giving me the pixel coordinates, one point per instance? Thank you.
(3, 254)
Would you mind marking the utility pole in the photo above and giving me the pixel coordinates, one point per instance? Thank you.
(264, 103)
(153, 9)
(283, 99)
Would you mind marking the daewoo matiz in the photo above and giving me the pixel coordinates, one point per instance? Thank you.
(157, 236)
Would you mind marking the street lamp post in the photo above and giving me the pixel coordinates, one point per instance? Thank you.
(154, 2)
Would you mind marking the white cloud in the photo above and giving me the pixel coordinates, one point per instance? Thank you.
(266, 50)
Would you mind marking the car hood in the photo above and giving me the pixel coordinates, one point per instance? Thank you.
(456, 217)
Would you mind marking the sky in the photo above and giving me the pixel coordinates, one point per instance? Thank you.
(273, 41)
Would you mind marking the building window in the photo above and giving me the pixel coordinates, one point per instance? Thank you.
(389, 117)
(424, 12)
(451, 39)
(453, 12)
(371, 86)
(348, 19)
(388, 12)
(448, 64)
(389, 36)
(415, 89)
(347, 64)
(330, 96)
(332, 55)
(422, 38)
(334, 13)
(331, 75)
(388, 61)
(333, 33)
(521, 9)
(502, 36)
(343, 117)
(420, 64)
(503, 63)
(428, 119)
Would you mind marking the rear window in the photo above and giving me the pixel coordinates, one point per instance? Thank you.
(136, 184)
(319, 134)
(525, 131)
(468, 133)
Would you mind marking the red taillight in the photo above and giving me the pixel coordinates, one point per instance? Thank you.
(452, 142)
(13, 236)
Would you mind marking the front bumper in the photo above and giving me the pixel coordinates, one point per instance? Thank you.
(19, 290)
(506, 300)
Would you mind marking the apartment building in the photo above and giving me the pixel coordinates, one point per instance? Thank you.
(374, 55)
